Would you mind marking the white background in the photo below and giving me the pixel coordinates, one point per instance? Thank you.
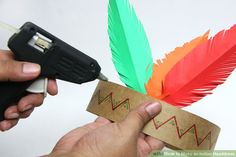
(83, 24)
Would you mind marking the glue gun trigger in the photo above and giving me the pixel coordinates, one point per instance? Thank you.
(39, 86)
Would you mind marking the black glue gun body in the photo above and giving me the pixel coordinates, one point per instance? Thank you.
(57, 59)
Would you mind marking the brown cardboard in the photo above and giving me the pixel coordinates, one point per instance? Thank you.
(179, 129)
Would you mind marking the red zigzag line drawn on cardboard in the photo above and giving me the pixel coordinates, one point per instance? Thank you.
(180, 135)
(125, 101)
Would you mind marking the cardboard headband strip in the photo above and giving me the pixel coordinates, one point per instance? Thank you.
(179, 129)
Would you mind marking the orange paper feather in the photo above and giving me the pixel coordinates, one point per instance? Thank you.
(201, 70)
(154, 87)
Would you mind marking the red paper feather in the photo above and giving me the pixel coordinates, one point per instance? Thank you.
(154, 87)
(203, 69)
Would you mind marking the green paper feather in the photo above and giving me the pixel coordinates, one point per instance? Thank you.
(130, 48)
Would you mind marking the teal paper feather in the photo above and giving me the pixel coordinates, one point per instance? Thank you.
(130, 48)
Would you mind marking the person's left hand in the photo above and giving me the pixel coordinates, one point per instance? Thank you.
(12, 70)
(105, 139)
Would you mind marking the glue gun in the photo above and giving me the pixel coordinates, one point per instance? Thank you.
(57, 59)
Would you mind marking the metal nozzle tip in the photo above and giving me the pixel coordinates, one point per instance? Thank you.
(102, 77)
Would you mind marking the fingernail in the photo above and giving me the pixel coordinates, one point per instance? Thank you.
(5, 126)
(153, 108)
(30, 68)
(13, 116)
(27, 108)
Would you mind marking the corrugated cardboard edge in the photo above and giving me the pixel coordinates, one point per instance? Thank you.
(179, 129)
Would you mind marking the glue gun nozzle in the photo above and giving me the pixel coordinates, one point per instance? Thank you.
(102, 77)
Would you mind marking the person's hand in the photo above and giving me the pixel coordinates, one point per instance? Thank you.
(11, 70)
(105, 139)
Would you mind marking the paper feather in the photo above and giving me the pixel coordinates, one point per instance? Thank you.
(201, 70)
(162, 67)
(185, 76)
(130, 48)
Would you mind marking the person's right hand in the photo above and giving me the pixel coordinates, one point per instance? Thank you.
(105, 139)
(12, 70)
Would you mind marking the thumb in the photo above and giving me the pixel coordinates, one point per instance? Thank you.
(11, 70)
(138, 118)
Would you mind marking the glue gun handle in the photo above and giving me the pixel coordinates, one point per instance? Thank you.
(11, 92)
